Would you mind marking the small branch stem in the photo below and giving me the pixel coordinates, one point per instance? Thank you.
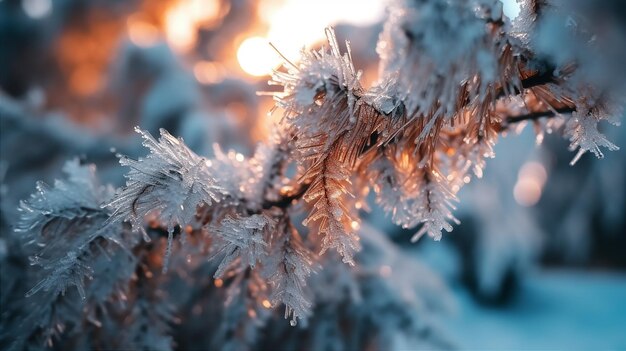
(535, 116)
(286, 200)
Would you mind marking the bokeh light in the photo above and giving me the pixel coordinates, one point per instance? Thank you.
(37, 8)
(531, 179)
(140, 32)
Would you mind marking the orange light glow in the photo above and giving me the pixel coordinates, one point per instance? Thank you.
(355, 225)
(85, 80)
(207, 72)
(183, 19)
(141, 33)
(204, 12)
(405, 161)
(179, 29)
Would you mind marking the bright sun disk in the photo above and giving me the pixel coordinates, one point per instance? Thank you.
(256, 57)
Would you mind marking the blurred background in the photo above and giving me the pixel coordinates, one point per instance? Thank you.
(539, 260)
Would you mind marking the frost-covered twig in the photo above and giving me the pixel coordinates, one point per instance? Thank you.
(453, 76)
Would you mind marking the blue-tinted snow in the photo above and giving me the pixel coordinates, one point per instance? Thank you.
(556, 310)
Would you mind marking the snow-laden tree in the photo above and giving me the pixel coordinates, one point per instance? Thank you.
(453, 77)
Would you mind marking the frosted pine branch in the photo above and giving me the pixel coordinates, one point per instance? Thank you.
(289, 265)
(170, 184)
(453, 77)
(64, 224)
(241, 240)
(583, 133)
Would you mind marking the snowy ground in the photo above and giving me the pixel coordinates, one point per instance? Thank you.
(557, 310)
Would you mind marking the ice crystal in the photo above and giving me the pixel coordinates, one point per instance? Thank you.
(289, 265)
(328, 189)
(64, 223)
(432, 78)
(394, 192)
(583, 133)
(414, 196)
(316, 74)
(312, 90)
(169, 184)
(434, 203)
(78, 196)
(241, 239)
(264, 167)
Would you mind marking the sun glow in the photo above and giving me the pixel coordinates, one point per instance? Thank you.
(290, 31)
(256, 57)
